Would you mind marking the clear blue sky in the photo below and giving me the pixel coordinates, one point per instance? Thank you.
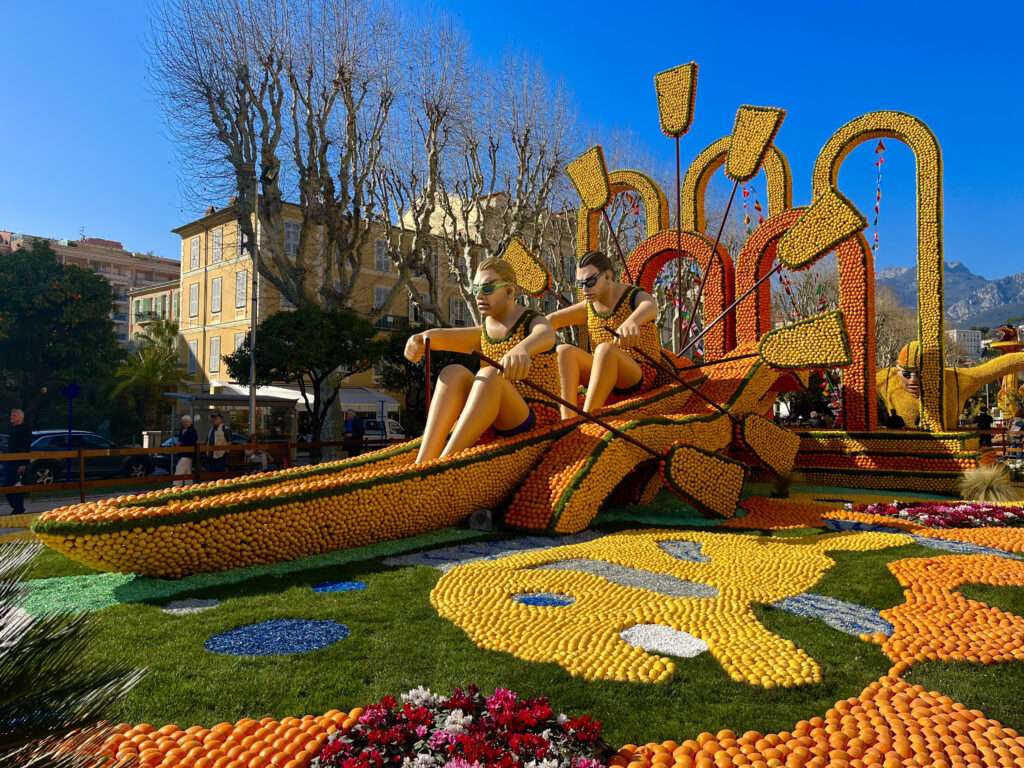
(83, 140)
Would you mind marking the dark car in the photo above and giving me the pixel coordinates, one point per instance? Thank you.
(45, 471)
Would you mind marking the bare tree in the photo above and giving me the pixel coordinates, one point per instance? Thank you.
(895, 325)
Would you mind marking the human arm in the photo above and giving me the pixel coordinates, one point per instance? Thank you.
(541, 338)
(576, 314)
(463, 340)
(646, 311)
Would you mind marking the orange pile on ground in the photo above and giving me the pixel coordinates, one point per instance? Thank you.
(288, 743)
(777, 514)
(937, 622)
(891, 724)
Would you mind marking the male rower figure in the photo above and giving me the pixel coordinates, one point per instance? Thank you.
(617, 364)
(467, 404)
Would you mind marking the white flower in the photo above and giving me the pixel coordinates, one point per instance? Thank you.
(456, 722)
(420, 761)
(562, 718)
(422, 697)
(542, 764)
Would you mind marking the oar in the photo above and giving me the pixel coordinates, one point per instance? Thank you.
(589, 175)
(665, 369)
(752, 135)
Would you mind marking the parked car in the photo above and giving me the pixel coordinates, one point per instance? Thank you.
(46, 471)
(383, 430)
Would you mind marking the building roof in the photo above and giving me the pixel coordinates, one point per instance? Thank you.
(154, 287)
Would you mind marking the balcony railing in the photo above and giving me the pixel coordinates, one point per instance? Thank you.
(392, 323)
(145, 317)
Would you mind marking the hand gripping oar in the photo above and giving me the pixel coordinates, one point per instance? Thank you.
(666, 370)
(685, 469)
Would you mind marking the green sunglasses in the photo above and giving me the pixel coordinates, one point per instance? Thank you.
(486, 289)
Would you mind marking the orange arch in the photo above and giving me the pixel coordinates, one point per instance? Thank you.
(856, 299)
(648, 258)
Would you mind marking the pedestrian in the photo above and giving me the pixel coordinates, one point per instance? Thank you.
(354, 432)
(219, 435)
(983, 421)
(15, 472)
(187, 438)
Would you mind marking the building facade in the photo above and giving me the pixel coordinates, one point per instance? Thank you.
(157, 301)
(124, 270)
(215, 293)
(966, 342)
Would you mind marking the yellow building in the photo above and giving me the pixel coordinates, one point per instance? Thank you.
(216, 280)
(156, 301)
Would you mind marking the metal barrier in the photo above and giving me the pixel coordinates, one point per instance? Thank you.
(282, 453)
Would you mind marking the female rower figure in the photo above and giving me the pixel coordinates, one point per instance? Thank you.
(616, 365)
(467, 404)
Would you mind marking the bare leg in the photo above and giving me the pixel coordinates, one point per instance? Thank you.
(492, 401)
(573, 367)
(447, 403)
(612, 368)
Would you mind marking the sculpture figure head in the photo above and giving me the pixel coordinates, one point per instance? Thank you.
(494, 287)
(908, 364)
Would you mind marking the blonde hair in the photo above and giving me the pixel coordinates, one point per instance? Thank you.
(502, 267)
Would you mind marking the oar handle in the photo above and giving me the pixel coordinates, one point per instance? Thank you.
(665, 369)
(573, 407)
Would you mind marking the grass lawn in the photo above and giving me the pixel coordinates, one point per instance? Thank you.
(397, 642)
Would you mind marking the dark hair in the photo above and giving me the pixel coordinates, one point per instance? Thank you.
(596, 259)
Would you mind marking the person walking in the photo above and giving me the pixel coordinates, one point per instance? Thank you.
(219, 435)
(187, 438)
(19, 441)
(983, 421)
(354, 432)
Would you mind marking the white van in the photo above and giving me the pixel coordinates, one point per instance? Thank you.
(383, 431)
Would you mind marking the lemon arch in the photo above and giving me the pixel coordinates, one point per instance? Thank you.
(928, 156)
(655, 206)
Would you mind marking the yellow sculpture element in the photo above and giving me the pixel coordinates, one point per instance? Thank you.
(677, 93)
(752, 135)
(774, 446)
(818, 341)
(711, 158)
(531, 275)
(916, 135)
(655, 208)
(899, 387)
(589, 175)
(729, 571)
(823, 226)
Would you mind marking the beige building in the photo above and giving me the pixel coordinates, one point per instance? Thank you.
(157, 301)
(215, 285)
(124, 270)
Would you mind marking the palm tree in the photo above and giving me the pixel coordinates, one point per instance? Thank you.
(152, 369)
(52, 696)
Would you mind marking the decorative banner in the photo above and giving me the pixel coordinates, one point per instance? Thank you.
(879, 162)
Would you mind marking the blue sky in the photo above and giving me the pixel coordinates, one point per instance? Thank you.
(83, 141)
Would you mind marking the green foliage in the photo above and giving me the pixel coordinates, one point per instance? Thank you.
(314, 348)
(399, 375)
(48, 684)
(55, 328)
(151, 370)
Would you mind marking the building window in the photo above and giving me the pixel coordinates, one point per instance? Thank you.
(458, 312)
(138, 308)
(239, 340)
(218, 245)
(381, 260)
(193, 356)
(176, 306)
(215, 354)
(215, 291)
(193, 253)
(380, 295)
(193, 300)
(241, 288)
(291, 238)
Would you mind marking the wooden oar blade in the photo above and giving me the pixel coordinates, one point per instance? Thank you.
(830, 220)
(774, 446)
(589, 175)
(531, 275)
(817, 342)
(709, 482)
(752, 136)
(677, 92)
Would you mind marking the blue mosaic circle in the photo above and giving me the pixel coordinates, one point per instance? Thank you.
(277, 637)
(340, 586)
(544, 599)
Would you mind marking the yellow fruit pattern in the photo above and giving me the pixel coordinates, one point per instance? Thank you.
(829, 221)
(585, 636)
(818, 341)
(774, 446)
(589, 174)
(752, 135)
(677, 92)
(531, 276)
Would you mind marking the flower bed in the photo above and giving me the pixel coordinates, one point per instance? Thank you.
(466, 730)
(948, 514)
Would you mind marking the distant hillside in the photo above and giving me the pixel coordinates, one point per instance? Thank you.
(970, 299)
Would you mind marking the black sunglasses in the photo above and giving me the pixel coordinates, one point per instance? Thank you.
(907, 374)
(589, 282)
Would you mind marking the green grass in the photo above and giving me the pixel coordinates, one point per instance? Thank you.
(398, 642)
